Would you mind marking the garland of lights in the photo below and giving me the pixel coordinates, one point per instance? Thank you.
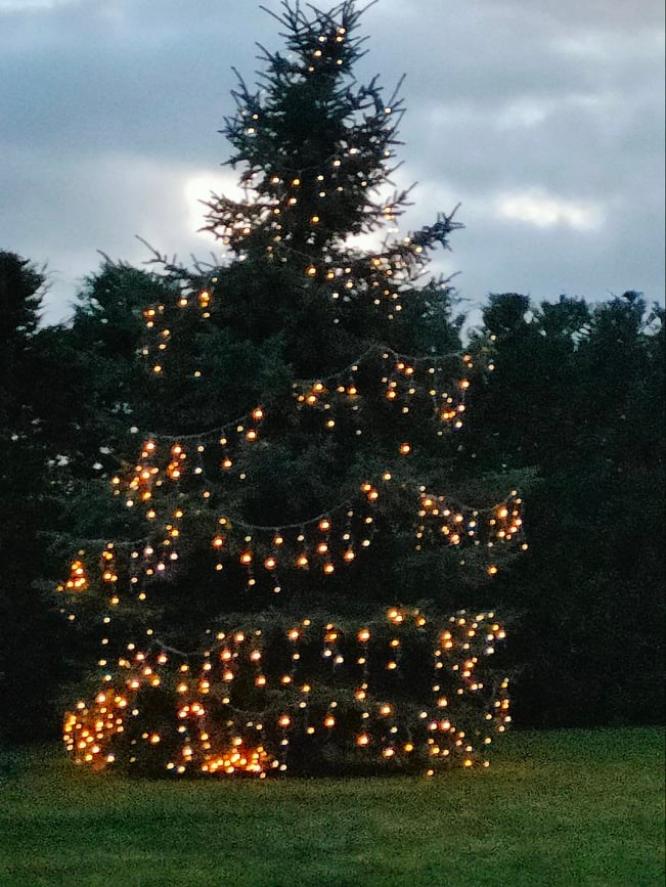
(381, 276)
(406, 381)
(324, 542)
(290, 682)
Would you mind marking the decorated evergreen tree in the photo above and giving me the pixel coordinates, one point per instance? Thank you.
(24, 457)
(300, 542)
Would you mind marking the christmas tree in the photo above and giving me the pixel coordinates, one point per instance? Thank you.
(288, 600)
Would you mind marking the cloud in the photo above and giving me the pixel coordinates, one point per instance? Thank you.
(544, 210)
(545, 120)
(18, 6)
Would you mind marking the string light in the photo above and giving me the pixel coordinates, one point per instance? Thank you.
(102, 733)
(78, 578)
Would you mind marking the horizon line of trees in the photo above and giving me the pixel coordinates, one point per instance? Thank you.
(576, 401)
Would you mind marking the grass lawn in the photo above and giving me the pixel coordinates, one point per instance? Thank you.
(563, 808)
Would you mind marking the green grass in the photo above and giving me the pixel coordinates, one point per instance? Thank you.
(563, 808)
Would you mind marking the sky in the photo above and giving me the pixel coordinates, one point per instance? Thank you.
(544, 119)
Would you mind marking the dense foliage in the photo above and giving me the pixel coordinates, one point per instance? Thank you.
(573, 412)
(580, 403)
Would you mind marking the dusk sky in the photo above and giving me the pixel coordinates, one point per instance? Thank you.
(543, 118)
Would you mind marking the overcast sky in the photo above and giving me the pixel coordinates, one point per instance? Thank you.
(543, 118)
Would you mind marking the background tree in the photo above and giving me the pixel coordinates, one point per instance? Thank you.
(578, 393)
(66, 395)
(28, 666)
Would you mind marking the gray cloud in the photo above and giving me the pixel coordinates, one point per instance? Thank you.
(544, 119)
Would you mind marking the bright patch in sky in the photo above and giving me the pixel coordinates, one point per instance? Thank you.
(199, 188)
(523, 112)
(544, 211)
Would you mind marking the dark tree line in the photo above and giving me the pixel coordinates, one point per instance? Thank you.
(576, 402)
